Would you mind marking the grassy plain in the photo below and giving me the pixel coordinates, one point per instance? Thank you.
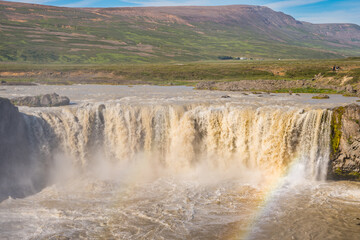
(181, 73)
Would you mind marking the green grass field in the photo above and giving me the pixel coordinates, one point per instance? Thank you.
(180, 73)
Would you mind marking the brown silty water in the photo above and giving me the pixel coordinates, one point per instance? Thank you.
(148, 162)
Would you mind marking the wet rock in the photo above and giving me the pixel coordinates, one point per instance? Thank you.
(321, 96)
(47, 100)
(345, 143)
(18, 170)
(302, 111)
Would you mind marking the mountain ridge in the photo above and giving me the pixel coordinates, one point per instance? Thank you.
(39, 33)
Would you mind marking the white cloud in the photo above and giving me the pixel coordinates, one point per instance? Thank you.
(340, 16)
(291, 3)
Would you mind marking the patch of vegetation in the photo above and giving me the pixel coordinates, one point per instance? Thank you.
(339, 173)
(336, 122)
(306, 90)
(355, 74)
(355, 175)
(225, 57)
(353, 58)
(306, 71)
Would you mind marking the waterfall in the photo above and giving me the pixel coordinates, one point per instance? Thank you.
(158, 169)
(183, 137)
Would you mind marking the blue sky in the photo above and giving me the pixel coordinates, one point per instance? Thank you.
(315, 11)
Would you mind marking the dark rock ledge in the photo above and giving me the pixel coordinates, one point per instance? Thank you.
(47, 100)
(345, 143)
(22, 173)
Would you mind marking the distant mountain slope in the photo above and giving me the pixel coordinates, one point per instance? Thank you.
(36, 33)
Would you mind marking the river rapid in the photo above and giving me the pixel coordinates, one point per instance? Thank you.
(147, 162)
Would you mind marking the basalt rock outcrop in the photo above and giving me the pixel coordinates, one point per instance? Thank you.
(46, 100)
(21, 173)
(345, 143)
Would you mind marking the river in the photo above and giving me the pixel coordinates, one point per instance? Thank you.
(150, 162)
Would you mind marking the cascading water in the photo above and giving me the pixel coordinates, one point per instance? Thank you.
(182, 137)
(178, 166)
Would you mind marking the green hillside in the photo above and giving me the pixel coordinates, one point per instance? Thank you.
(43, 34)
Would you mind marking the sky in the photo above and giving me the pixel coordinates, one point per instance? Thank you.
(315, 11)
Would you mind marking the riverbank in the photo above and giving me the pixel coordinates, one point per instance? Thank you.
(311, 76)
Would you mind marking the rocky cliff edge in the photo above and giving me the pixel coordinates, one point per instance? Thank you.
(345, 143)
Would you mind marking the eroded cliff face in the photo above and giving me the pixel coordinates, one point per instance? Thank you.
(20, 171)
(345, 147)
